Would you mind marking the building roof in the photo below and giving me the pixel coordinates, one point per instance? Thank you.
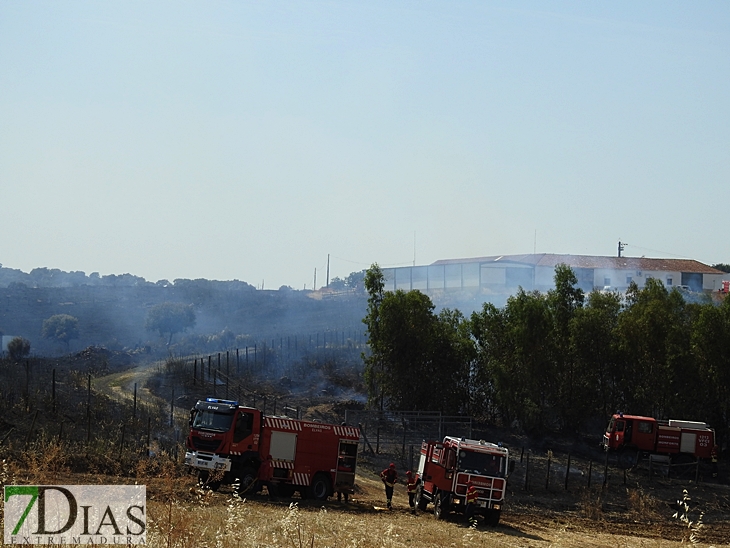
(591, 261)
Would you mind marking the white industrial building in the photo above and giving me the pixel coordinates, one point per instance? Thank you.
(504, 274)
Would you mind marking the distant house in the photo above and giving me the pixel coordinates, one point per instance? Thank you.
(504, 274)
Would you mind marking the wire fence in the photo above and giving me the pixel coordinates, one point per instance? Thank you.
(274, 355)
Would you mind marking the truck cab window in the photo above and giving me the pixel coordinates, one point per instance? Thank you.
(619, 426)
(206, 419)
(244, 427)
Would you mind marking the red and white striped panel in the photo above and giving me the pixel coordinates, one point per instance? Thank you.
(282, 464)
(349, 431)
(283, 424)
(301, 479)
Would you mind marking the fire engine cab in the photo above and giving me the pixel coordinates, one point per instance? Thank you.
(229, 443)
(446, 467)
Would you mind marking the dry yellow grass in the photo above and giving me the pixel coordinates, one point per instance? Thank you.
(244, 523)
(180, 515)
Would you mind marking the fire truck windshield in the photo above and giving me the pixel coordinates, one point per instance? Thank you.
(206, 419)
(484, 464)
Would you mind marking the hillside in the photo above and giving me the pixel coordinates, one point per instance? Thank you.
(112, 312)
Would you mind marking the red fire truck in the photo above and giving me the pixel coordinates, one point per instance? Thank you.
(446, 467)
(634, 435)
(240, 445)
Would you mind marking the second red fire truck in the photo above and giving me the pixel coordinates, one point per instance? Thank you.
(634, 435)
(229, 443)
(446, 467)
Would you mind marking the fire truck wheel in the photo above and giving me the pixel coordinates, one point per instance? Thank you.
(421, 501)
(440, 507)
(246, 481)
(492, 517)
(320, 487)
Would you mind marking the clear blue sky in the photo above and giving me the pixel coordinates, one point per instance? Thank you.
(249, 140)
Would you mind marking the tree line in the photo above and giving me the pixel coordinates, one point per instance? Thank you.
(551, 360)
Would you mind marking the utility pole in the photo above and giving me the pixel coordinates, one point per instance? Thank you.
(314, 287)
(328, 269)
(621, 246)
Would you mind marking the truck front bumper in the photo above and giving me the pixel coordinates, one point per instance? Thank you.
(484, 504)
(207, 461)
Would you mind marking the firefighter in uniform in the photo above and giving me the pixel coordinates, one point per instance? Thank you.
(471, 500)
(411, 483)
(389, 477)
(713, 457)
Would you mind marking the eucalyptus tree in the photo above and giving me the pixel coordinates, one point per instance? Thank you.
(653, 333)
(568, 385)
(493, 352)
(418, 360)
(711, 350)
(593, 341)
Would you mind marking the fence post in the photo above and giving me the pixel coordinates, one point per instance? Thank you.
(403, 449)
(172, 407)
(30, 432)
(547, 477)
(590, 471)
(195, 371)
(88, 411)
(527, 473)
(567, 473)
(605, 471)
(53, 391)
(121, 442)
